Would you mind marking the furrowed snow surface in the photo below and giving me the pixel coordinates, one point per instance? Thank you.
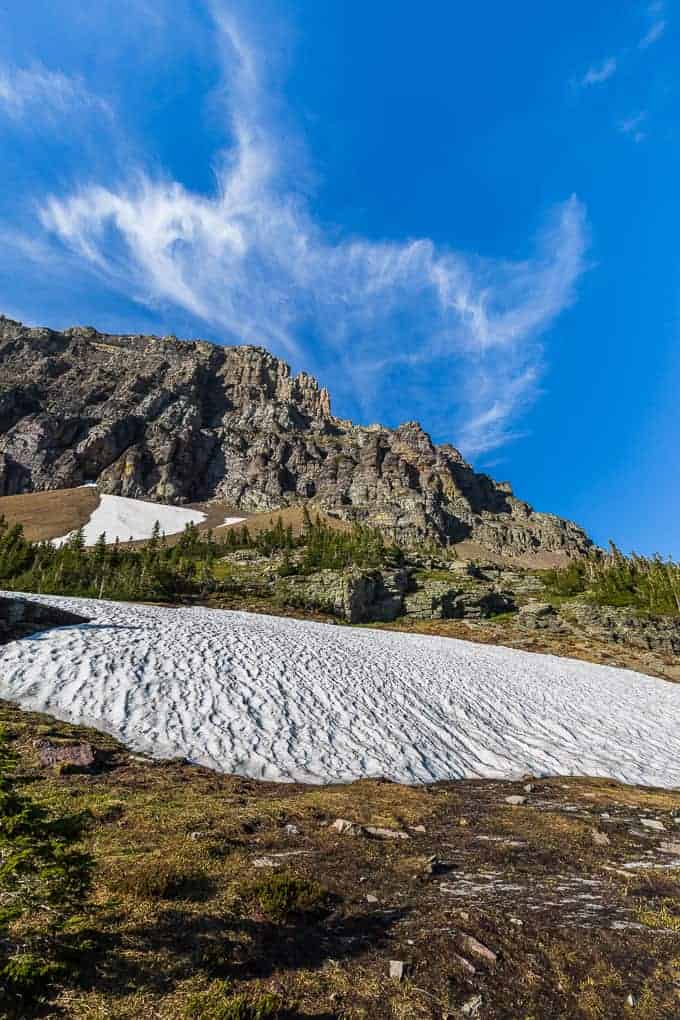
(124, 518)
(292, 700)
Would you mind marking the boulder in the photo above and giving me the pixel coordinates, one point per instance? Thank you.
(79, 756)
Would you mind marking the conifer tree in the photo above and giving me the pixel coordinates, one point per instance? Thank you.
(44, 880)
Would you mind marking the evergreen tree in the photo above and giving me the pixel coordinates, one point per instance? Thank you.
(44, 880)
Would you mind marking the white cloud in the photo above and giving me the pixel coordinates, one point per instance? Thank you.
(655, 32)
(601, 72)
(36, 93)
(253, 263)
(633, 126)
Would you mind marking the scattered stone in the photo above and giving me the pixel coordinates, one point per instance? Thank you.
(515, 799)
(470, 944)
(419, 828)
(630, 1001)
(516, 921)
(670, 848)
(653, 823)
(346, 828)
(380, 833)
(291, 829)
(265, 862)
(397, 970)
(82, 755)
(528, 787)
(472, 1006)
(464, 964)
(371, 898)
(600, 838)
(432, 865)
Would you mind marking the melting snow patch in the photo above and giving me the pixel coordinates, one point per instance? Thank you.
(124, 518)
(296, 700)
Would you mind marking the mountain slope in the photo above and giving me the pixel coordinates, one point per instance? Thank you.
(179, 421)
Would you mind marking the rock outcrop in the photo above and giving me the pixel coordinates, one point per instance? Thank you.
(20, 617)
(182, 421)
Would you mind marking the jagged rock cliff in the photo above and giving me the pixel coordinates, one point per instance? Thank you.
(182, 421)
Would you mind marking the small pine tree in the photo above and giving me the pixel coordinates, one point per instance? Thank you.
(44, 880)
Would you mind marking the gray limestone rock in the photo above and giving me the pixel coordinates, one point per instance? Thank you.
(178, 422)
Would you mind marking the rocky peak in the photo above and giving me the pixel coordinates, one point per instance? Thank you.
(180, 421)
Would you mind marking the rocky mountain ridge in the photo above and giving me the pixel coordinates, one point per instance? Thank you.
(184, 421)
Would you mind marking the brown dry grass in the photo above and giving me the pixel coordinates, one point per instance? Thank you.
(293, 516)
(51, 514)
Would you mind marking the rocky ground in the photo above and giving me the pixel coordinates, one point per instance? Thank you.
(543, 898)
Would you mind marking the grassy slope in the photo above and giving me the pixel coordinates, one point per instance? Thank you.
(513, 877)
(46, 515)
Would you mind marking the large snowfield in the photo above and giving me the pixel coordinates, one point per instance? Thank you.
(285, 699)
(119, 517)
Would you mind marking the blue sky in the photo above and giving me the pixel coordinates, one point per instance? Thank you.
(460, 213)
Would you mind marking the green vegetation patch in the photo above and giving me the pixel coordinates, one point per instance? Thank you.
(157, 878)
(645, 584)
(219, 1003)
(283, 897)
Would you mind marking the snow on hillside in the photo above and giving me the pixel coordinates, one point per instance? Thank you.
(293, 700)
(125, 518)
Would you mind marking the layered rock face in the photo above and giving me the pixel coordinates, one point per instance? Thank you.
(181, 422)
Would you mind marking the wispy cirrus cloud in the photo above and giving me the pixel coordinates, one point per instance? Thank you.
(252, 262)
(599, 73)
(659, 23)
(34, 94)
(633, 126)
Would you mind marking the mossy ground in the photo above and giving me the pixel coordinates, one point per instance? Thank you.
(178, 849)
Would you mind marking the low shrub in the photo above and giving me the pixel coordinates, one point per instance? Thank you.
(283, 897)
(154, 878)
(566, 581)
(111, 812)
(27, 979)
(218, 1003)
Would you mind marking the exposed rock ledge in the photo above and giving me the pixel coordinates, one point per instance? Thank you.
(19, 617)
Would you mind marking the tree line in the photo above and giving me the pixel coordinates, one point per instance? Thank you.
(645, 583)
(160, 570)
